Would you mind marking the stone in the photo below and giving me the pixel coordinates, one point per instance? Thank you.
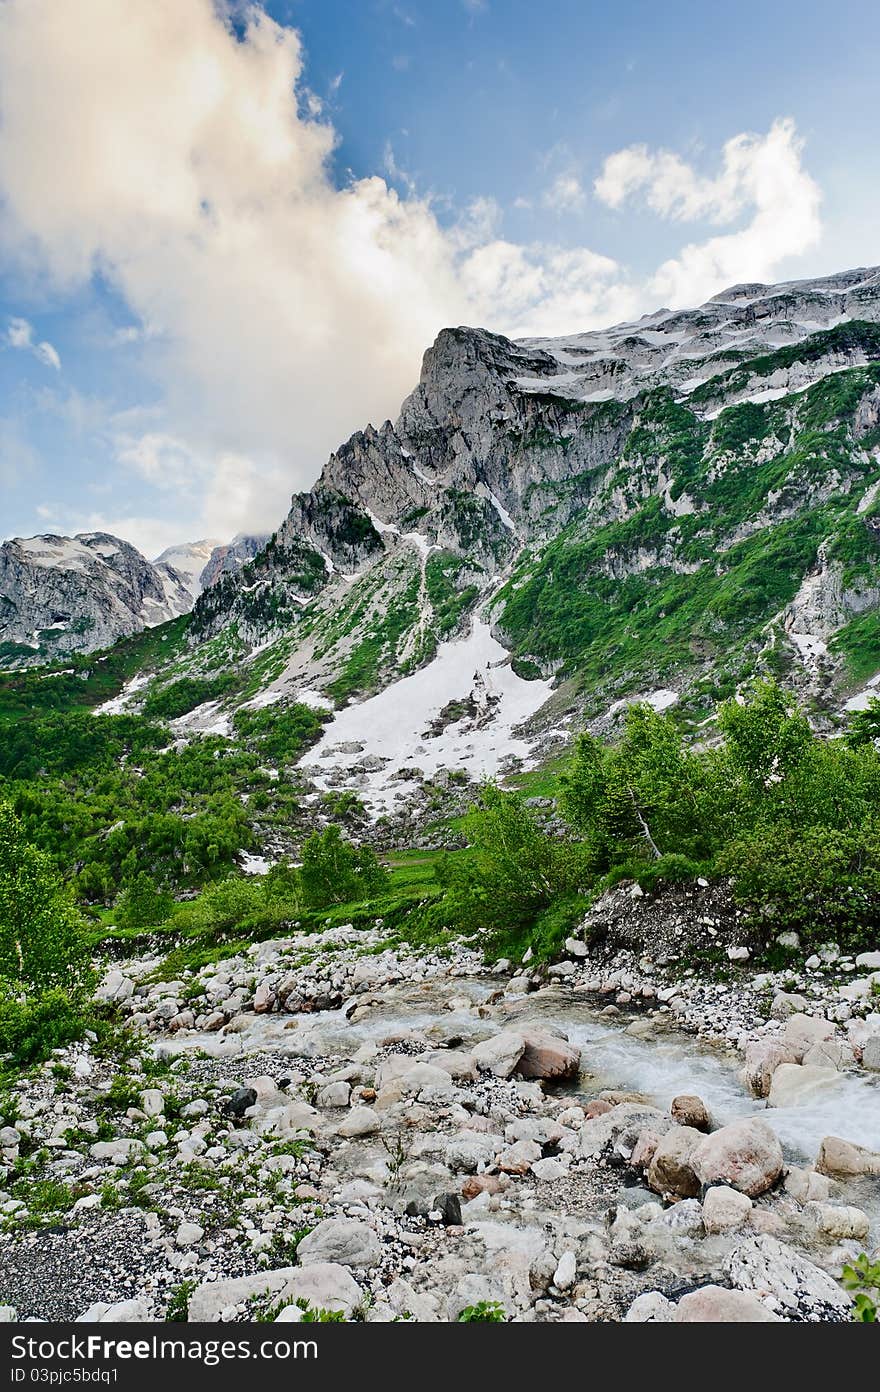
(803, 1031)
(264, 999)
(836, 1222)
(806, 1186)
(790, 1285)
(136, 1311)
(566, 1272)
(324, 1285)
(725, 1209)
(762, 1058)
(460, 1066)
(548, 1057)
(645, 1149)
(500, 1054)
(467, 1151)
(869, 960)
(785, 1003)
(671, 1170)
(689, 1110)
(334, 1095)
(240, 1101)
(830, 1053)
(561, 970)
(188, 1234)
(576, 947)
(845, 1160)
(517, 1159)
(798, 1084)
(448, 1207)
(745, 1155)
(871, 1053)
(619, 1129)
(342, 1241)
(684, 1218)
(118, 1152)
(152, 1102)
(650, 1308)
(475, 1185)
(738, 954)
(548, 1170)
(411, 1074)
(360, 1121)
(718, 1305)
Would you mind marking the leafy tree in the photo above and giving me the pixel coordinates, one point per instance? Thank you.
(864, 726)
(42, 946)
(512, 871)
(336, 872)
(142, 904)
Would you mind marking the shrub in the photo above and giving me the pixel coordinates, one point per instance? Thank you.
(336, 872)
(142, 904)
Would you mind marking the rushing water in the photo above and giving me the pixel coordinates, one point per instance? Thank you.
(658, 1067)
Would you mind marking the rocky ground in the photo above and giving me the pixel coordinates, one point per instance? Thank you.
(402, 1134)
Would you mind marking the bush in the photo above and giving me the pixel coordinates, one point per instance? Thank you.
(142, 904)
(336, 872)
(511, 873)
(42, 943)
(817, 880)
(30, 1030)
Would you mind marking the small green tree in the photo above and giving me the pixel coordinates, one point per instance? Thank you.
(864, 727)
(142, 904)
(334, 871)
(42, 945)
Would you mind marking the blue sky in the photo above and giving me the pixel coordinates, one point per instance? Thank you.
(227, 235)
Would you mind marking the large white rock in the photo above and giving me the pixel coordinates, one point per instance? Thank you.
(500, 1054)
(836, 1222)
(845, 1160)
(803, 1031)
(340, 1240)
(746, 1155)
(798, 1084)
(136, 1311)
(725, 1209)
(718, 1305)
(762, 1058)
(325, 1285)
(789, 1285)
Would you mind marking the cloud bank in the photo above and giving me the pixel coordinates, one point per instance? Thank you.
(176, 153)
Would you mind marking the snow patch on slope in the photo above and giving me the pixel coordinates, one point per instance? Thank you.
(393, 728)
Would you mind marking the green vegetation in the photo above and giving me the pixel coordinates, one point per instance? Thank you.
(863, 1278)
(45, 971)
(792, 819)
(484, 1312)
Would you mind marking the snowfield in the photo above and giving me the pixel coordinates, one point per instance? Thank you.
(393, 726)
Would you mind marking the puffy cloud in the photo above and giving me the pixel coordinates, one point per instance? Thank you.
(760, 175)
(179, 156)
(565, 194)
(20, 334)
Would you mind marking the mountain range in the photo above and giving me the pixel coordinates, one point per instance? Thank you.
(550, 529)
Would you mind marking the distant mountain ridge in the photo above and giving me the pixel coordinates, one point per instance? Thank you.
(61, 595)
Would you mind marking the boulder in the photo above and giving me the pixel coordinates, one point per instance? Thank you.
(671, 1170)
(718, 1305)
(619, 1129)
(785, 1004)
(342, 1241)
(547, 1057)
(871, 1053)
(745, 1155)
(845, 1160)
(836, 1222)
(469, 1150)
(803, 1031)
(806, 1186)
(830, 1053)
(360, 1121)
(789, 1284)
(324, 1285)
(762, 1058)
(500, 1054)
(689, 1110)
(798, 1084)
(725, 1209)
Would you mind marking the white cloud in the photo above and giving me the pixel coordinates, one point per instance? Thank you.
(565, 194)
(284, 312)
(20, 335)
(762, 176)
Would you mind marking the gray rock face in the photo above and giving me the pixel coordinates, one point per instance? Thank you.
(789, 1284)
(62, 595)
